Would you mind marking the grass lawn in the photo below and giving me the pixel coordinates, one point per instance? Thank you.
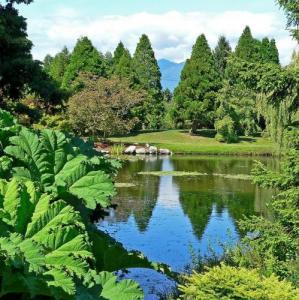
(179, 141)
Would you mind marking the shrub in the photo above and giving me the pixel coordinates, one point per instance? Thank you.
(103, 107)
(224, 282)
(57, 122)
(226, 131)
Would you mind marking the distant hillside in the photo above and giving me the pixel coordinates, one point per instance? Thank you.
(171, 73)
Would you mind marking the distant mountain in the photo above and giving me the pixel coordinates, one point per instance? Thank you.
(171, 73)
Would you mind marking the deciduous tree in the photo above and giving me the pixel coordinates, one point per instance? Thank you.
(104, 107)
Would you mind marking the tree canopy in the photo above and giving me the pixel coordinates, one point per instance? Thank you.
(200, 79)
(221, 54)
(84, 58)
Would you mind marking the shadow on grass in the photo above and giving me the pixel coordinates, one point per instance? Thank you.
(247, 139)
(209, 133)
(135, 133)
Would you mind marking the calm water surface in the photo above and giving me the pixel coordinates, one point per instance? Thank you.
(168, 218)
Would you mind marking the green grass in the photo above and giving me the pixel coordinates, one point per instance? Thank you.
(179, 141)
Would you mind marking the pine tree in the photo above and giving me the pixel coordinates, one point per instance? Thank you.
(85, 58)
(124, 69)
(15, 53)
(221, 54)
(248, 48)
(56, 67)
(118, 53)
(195, 94)
(149, 77)
(269, 52)
(274, 54)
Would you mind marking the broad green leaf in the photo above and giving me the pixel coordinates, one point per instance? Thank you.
(43, 221)
(61, 280)
(94, 188)
(113, 290)
(55, 144)
(17, 204)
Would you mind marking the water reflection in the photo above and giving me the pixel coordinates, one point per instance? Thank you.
(164, 216)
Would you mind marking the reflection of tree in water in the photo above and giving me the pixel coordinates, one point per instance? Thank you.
(198, 195)
(141, 199)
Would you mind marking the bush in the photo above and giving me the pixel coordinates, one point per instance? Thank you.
(56, 122)
(224, 282)
(103, 107)
(226, 131)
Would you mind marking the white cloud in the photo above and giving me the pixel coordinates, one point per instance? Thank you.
(172, 33)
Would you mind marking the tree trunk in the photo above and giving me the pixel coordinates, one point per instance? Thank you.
(194, 126)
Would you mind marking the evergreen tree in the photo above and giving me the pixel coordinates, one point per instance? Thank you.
(57, 66)
(109, 62)
(248, 48)
(118, 53)
(291, 8)
(149, 77)
(85, 58)
(269, 51)
(124, 68)
(195, 94)
(47, 63)
(15, 57)
(221, 54)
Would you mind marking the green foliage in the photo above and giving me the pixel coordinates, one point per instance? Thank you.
(45, 249)
(248, 48)
(291, 8)
(56, 122)
(84, 58)
(224, 282)
(49, 160)
(195, 94)
(123, 67)
(273, 245)
(104, 107)
(8, 127)
(239, 103)
(118, 53)
(56, 66)
(221, 54)
(226, 131)
(55, 186)
(149, 79)
(15, 56)
(269, 51)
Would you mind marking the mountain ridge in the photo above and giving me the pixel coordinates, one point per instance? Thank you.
(171, 73)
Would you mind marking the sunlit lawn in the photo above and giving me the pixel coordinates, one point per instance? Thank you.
(180, 141)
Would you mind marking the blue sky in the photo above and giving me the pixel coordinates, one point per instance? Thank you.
(172, 25)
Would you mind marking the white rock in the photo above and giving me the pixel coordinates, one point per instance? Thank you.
(141, 151)
(153, 150)
(130, 150)
(164, 152)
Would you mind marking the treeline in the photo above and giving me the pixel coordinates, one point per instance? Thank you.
(237, 93)
(232, 91)
(222, 89)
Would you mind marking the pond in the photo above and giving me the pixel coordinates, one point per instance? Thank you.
(170, 218)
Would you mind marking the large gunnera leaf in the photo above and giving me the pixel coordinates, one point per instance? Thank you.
(51, 161)
(45, 249)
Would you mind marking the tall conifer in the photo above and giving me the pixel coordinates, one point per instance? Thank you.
(149, 77)
(221, 54)
(195, 94)
(84, 58)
